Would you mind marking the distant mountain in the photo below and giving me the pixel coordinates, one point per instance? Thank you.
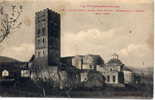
(145, 71)
(7, 59)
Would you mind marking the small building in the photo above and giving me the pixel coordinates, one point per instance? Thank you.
(67, 60)
(112, 76)
(112, 71)
(13, 70)
(87, 61)
(115, 72)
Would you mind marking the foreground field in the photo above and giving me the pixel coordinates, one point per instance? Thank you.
(29, 89)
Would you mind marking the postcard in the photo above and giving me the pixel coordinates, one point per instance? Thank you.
(77, 48)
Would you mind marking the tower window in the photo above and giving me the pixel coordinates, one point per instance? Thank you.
(38, 31)
(38, 53)
(43, 30)
(43, 40)
(108, 78)
(114, 78)
(38, 41)
(43, 53)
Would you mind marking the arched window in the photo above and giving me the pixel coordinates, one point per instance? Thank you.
(39, 31)
(43, 40)
(114, 78)
(38, 53)
(5, 73)
(108, 78)
(43, 30)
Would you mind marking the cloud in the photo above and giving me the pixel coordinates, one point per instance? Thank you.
(90, 35)
(86, 41)
(134, 48)
(136, 54)
(150, 41)
(105, 43)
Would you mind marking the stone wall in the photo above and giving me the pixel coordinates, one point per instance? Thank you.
(87, 61)
(58, 78)
(128, 77)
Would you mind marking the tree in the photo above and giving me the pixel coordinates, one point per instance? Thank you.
(9, 20)
(95, 80)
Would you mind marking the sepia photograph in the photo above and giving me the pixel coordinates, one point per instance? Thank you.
(77, 49)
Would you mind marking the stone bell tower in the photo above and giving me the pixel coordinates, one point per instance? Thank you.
(47, 37)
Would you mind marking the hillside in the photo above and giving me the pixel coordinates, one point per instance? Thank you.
(145, 71)
(7, 59)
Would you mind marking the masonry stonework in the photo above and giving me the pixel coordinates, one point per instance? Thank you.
(47, 37)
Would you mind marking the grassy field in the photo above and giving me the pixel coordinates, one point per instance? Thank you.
(30, 89)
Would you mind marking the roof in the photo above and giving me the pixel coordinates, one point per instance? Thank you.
(69, 68)
(67, 57)
(125, 68)
(114, 62)
(32, 58)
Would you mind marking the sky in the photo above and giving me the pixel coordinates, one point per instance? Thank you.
(129, 34)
